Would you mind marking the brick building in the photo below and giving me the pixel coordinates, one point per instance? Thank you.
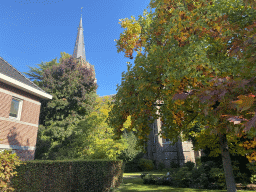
(19, 111)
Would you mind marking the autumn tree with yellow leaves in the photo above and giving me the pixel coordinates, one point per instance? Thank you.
(198, 58)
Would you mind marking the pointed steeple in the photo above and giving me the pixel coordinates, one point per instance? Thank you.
(79, 50)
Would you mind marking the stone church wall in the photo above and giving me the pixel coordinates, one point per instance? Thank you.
(161, 150)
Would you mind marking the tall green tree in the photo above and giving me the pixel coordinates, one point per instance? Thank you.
(95, 138)
(74, 93)
(36, 74)
(196, 58)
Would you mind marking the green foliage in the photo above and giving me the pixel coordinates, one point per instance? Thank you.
(217, 175)
(173, 164)
(240, 177)
(190, 165)
(161, 166)
(131, 152)
(196, 58)
(252, 168)
(146, 164)
(94, 138)
(182, 178)
(74, 97)
(133, 166)
(198, 161)
(253, 179)
(206, 176)
(149, 179)
(196, 178)
(7, 169)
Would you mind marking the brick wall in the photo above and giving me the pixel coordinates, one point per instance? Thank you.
(21, 132)
(25, 155)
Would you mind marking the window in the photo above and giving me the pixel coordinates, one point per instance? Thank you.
(155, 134)
(16, 106)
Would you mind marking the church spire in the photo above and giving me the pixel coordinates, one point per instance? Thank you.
(79, 50)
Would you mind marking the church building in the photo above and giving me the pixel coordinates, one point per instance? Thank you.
(162, 150)
(79, 50)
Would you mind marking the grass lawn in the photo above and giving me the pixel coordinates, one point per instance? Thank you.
(136, 184)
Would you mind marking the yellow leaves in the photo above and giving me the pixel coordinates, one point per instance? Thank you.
(162, 21)
(179, 102)
(179, 25)
(218, 28)
(244, 102)
(249, 145)
(129, 40)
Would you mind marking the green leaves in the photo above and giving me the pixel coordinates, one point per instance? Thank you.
(74, 97)
(204, 47)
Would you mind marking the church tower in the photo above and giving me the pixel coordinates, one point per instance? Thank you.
(79, 50)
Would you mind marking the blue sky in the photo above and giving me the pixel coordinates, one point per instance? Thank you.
(35, 31)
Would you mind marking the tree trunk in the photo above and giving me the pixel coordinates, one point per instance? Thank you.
(230, 180)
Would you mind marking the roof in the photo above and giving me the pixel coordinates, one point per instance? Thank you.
(11, 76)
(79, 50)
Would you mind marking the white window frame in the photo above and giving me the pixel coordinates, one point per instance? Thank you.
(19, 108)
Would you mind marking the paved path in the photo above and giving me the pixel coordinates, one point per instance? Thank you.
(131, 176)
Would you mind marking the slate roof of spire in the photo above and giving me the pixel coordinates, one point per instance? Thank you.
(8, 70)
(79, 50)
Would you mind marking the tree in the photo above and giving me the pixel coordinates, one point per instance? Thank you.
(95, 138)
(196, 58)
(36, 74)
(74, 92)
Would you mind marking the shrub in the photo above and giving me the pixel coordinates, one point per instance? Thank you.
(196, 174)
(173, 164)
(201, 176)
(149, 179)
(190, 165)
(161, 166)
(252, 168)
(133, 166)
(206, 167)
(143, 175)
(203, 181)
(198, 161)
(218, 176)
(182, 178)
(253, 179)
(164, 180)
(146, 164)
(240, 177)
(131, 152)
(7, 166)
